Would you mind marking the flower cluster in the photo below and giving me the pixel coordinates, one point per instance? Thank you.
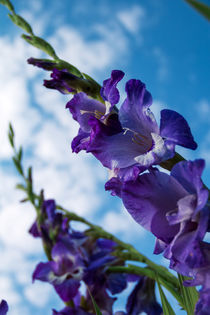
(75, 258)
(129, 142)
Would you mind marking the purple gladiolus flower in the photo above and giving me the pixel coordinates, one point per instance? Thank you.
(64, 272)
(142, 299)
(174, 209)
(3, 307)
(129, 141)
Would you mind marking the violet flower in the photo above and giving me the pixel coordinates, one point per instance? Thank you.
(3, 307)
(129, 141)
(65, 270)
(174, 209)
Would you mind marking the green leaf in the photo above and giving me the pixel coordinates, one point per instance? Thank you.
(11, 139)
(167, 309)
(30, 174)
(19, 21)
(20, 154)
(189, 294)
(18, 165)
(11, 130)
(21, 187)
(8, 4)
(11, 135)
(30, 186)
(96, 308)
(40, 43)
(200, 7)
(41, 198)
(89, 78)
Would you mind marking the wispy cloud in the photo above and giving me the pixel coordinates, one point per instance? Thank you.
(203, 109)
(90, 55)
(132, 18)
(162, 64)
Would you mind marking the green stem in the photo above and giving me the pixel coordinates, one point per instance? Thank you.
(131, 254)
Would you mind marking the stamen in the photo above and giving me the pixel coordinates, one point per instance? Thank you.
(86, 112)
(95, 113)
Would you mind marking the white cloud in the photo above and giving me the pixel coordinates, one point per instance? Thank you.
(203, 108)
(7, 290)
(121, 223)
(162, 62)
(14, 96)
(39, 293)
(90, 55)
(156, 108)
(20, 215)
(132, 18)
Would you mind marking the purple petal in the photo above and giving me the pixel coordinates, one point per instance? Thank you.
(134, 113)
(188, 173)
(68, 289)
(61, 86)
(112, 150)
(3, 307)
(119, 151)
(99, 260)
(63, 249)
(43, 272)
(44, 64)
(186, 249)
(147, 202)
(185, 211)
(116, 283)
(203, 304)
(71, 311)
(34, 230)
(175, 129)
(106, 245)
(115, 185)
(109, 92)
(159, 246)
(142, 299)
(80, 142)
(83, 107)
(49, 207)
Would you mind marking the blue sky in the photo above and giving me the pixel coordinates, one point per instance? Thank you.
(165, 44)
